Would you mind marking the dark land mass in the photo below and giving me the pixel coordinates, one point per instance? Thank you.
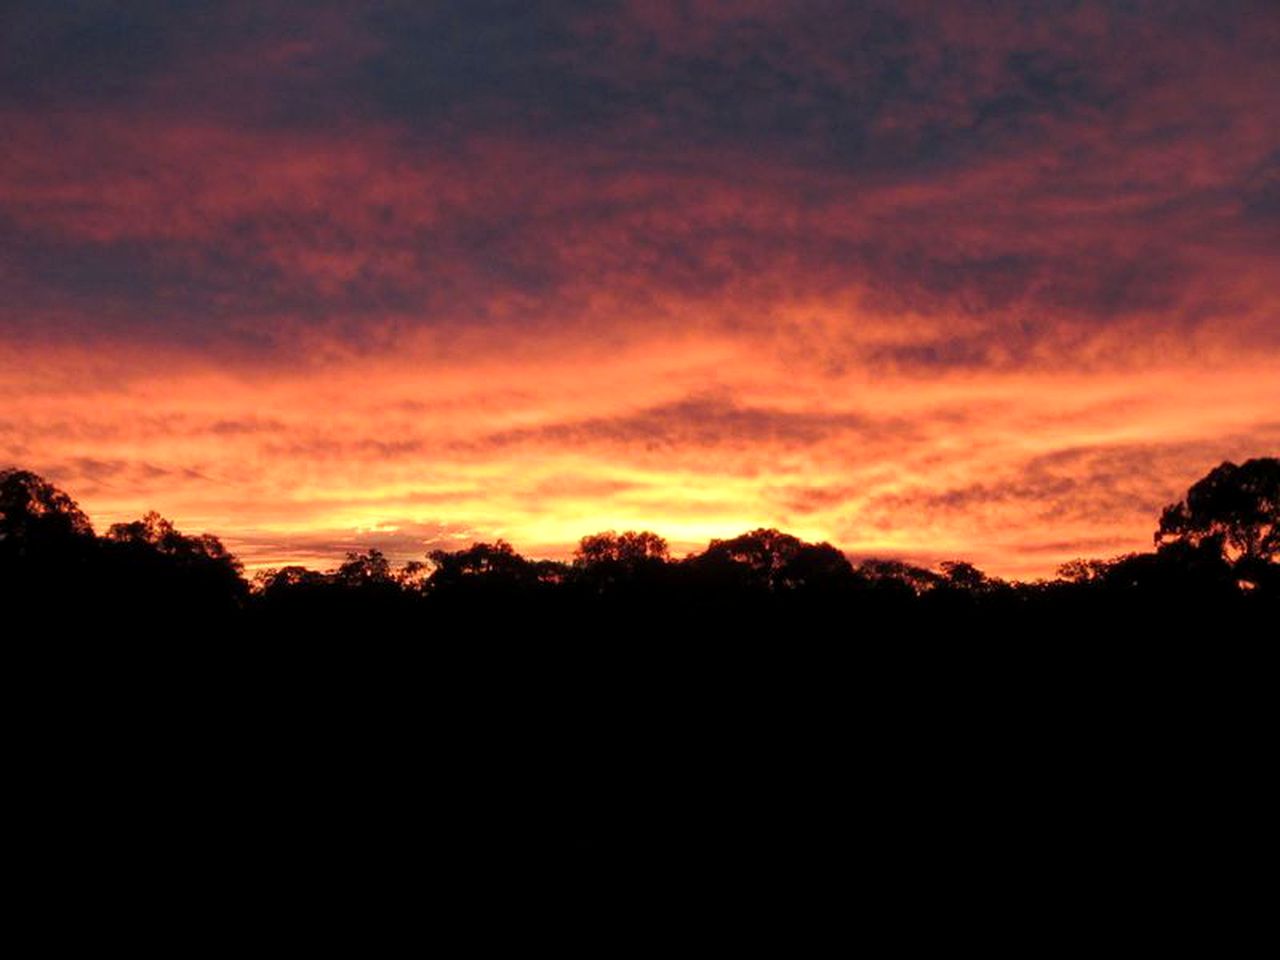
(1214, 575)
(739, 724)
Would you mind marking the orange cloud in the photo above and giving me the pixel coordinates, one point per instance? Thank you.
(926, 282)
(1018, 472)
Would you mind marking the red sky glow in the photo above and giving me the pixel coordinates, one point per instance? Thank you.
(934, 281)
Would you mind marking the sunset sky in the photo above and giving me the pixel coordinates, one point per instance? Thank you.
(980, 280)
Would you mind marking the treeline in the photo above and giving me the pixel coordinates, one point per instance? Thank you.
(1216, 559)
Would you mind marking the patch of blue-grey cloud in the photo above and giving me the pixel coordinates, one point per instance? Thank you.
(96, 51)
(455, 67)
(850, 97)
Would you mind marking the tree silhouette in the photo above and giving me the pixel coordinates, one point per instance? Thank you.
(918, 580)
(47, 547)
(629, 548)
(413, 575)
(159, 534)
(1083, 571)
(33, 511)
(814, 567)
(284, 579)
(1216, 561)
(752, 560)
(150, 558)
(769, 561)
(491, 565)
(365, 569)
(608, 562)
(1233, 511)
(964, 576)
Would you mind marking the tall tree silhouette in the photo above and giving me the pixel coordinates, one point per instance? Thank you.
(1234, 511)
(47, 547)
(34, 514)
(1239, 506)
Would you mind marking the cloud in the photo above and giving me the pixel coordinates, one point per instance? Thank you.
(863, 268)
(697, 423)
(325, 549)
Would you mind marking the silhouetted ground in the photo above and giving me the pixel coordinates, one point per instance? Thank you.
(756, 724)
(1213, 577)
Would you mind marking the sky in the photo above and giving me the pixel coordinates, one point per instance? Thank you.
(989, 280)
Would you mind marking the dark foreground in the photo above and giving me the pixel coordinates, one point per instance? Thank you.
(762, 742)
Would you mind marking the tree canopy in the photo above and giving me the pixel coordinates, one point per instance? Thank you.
(32, 507)
(1217, 553)
(1235, 507)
